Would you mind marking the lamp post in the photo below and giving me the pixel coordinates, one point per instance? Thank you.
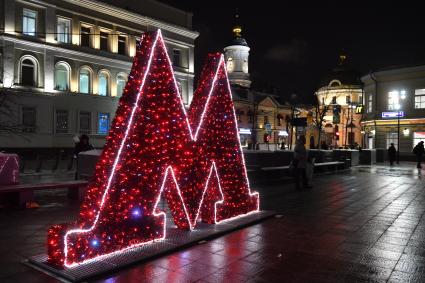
(399, 95)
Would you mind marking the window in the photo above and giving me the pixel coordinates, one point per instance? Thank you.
(393, 100)
(104, 41)
(230, 64)
(62, 76)
(85, 36)
(334, 100)
(29, 22)
(28, 119)
(392, 138)
(176, 57)
(85, 123)
(418, 137)
(250, 116)
(420, 98)
(122, 45)
(121, 81)
(103, 123)
(28, 71)
(266, 120)
(63, 30)
(360, 99)
(103, 84)
(239, 115)
(85, 80)
(348, 99)
(61, 121)
(279, 119)
(369, 103)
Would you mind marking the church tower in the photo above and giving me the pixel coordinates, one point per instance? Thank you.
(236, 56)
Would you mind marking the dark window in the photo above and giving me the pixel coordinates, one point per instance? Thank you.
(85, 36)
(61, 121)
(348, 99)
(334, 100)
(266, 120)
(176, 57)
(85, 123)
(122, 45)
(104, 41)
(28, 74)
(28, 119)
(250, 116)
(279, 120)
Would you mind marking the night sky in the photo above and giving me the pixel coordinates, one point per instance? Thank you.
(295, 44)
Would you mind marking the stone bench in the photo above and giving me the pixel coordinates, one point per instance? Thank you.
(25, 192)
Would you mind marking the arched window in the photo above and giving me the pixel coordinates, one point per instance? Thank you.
(121, 81)
(29, 71)
(103, 83)
(85, 80)
(62, 75)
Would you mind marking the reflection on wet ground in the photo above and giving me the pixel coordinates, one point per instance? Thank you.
(366, 225)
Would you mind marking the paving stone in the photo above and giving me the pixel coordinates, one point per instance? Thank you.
(363, 225)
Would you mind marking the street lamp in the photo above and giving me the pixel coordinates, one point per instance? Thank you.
(398, 95)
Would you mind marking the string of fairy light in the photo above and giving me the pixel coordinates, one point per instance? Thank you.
(155, 149)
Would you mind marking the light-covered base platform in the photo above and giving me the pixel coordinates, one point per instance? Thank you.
(176, 239)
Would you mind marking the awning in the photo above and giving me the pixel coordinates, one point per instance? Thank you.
(244, 131)
(282, 133)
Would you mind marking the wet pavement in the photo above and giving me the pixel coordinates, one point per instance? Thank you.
(363, 225)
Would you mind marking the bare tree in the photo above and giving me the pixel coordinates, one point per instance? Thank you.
(320, 111)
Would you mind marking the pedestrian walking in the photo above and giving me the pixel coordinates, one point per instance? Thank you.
(300, 164)
(419, 150)
(392, 153)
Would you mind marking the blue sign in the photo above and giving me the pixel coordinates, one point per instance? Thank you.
(268, 127)
(392, 114)
(103, 123)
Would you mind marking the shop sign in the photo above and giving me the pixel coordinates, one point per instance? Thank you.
(392, 114)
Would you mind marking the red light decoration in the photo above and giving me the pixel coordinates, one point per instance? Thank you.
(154, 148)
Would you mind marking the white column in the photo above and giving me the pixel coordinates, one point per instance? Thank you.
(9, 16)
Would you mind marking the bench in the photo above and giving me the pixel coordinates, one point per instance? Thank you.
(332, 164)
(275, 168)
(25, 192)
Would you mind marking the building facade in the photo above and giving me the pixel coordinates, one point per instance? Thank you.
(394, 107)
(64, 64)
(341, 97)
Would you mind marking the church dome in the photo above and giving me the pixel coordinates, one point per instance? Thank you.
(341, 75)
(239, 41)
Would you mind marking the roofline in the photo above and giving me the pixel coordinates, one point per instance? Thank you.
(119, 12)
(405, 67)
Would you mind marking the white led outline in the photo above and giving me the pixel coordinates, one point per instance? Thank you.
(169, 168)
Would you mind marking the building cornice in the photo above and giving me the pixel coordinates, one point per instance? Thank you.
(133, 17)
(403, 121)
(90, 58)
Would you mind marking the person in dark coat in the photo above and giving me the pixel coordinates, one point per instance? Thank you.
(300, 164)
(419, 151)
(392, 153)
